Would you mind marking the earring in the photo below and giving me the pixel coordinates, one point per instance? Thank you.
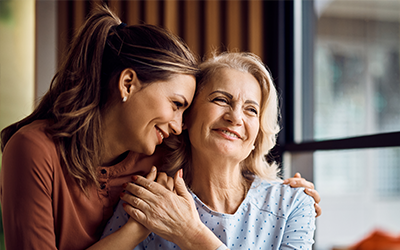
(252, 148)
(124, 99)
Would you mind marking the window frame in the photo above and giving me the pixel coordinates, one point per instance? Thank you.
(281, 57)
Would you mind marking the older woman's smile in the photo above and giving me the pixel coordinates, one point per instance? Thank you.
(229, 133)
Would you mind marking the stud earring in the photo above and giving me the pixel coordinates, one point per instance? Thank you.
(252, 148)
(124, 99)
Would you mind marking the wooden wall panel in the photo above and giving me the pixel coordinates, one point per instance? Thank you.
(132, 12)
(212, 36)
(152, 10)
(255, 27)
(205, 25)
(191, 25)
(234, 30)
(171, 16)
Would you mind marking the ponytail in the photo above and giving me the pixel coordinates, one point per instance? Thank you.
(81, 88)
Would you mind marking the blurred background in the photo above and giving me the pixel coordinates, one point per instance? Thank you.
(335, 64)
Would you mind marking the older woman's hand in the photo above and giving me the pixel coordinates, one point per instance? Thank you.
(169, 212)
(298, 181)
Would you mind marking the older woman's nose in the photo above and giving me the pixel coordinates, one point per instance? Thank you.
(234, 116)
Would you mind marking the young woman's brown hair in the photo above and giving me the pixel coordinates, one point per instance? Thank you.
(84, 86)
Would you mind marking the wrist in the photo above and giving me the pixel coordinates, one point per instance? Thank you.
(222, 247)
(201, 238)
(134, 227)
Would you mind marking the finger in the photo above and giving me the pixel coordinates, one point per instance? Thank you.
(296, 177)
(134, 201)
(133, 189)
(134, 213)
(299, 182)
(153, 174)
(146, 188)
(318, 209)
(180, 185)
(162, 179)
(314, 194)
(171, 184)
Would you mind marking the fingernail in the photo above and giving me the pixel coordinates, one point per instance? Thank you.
(153, 169)
(121, 194)
(134, 177)
(124, 185)
(124, 204)
(285, 182)
(180, 173)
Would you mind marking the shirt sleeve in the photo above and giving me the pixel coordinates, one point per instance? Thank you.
(300, 226)
(26, 193)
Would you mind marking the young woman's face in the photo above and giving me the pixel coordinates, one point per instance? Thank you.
(154, 112)
(224, 118)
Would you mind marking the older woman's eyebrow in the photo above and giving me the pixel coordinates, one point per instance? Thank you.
(252, 102)
(230, 96)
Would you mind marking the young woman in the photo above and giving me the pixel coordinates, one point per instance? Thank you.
(119, 92)
(235, 199)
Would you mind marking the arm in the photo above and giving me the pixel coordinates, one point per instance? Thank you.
(171, 215)
(297, 181)
(123, 232)
(300, 225)
(26, 195)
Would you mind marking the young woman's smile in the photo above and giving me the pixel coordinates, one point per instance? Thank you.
(152, 113)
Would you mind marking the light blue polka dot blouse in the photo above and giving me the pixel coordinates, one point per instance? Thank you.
(272, 216)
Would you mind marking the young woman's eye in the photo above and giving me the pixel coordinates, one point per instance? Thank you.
(178, 105)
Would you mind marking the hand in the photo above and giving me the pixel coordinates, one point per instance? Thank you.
(297, 181)
(169, 213)
(166, 181)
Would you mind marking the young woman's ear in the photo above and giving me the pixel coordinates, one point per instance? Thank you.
(128, 83)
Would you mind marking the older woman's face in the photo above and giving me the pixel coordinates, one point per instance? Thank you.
(224, 118)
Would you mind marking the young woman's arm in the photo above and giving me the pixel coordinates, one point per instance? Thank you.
(26, 184)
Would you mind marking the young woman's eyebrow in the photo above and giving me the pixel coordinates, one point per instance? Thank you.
(185, 102)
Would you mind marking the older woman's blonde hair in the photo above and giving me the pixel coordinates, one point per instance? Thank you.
(255, 164)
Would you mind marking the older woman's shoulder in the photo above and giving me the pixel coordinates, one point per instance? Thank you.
(277, 198)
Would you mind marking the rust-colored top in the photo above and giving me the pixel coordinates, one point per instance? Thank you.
(43, 208)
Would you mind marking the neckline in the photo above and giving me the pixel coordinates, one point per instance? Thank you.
(245, 201)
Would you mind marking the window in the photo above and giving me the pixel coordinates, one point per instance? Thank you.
(343, 132)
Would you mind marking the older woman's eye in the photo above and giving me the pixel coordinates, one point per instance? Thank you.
(221, 100)
(253, 110)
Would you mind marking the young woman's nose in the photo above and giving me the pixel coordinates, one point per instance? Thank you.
(176, 125)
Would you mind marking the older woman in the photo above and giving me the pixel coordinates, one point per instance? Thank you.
(235, 199)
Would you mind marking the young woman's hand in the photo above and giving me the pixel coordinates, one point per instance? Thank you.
(298, 181)
(169, 212)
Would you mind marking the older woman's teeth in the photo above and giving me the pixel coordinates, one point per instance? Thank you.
(229, 134)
